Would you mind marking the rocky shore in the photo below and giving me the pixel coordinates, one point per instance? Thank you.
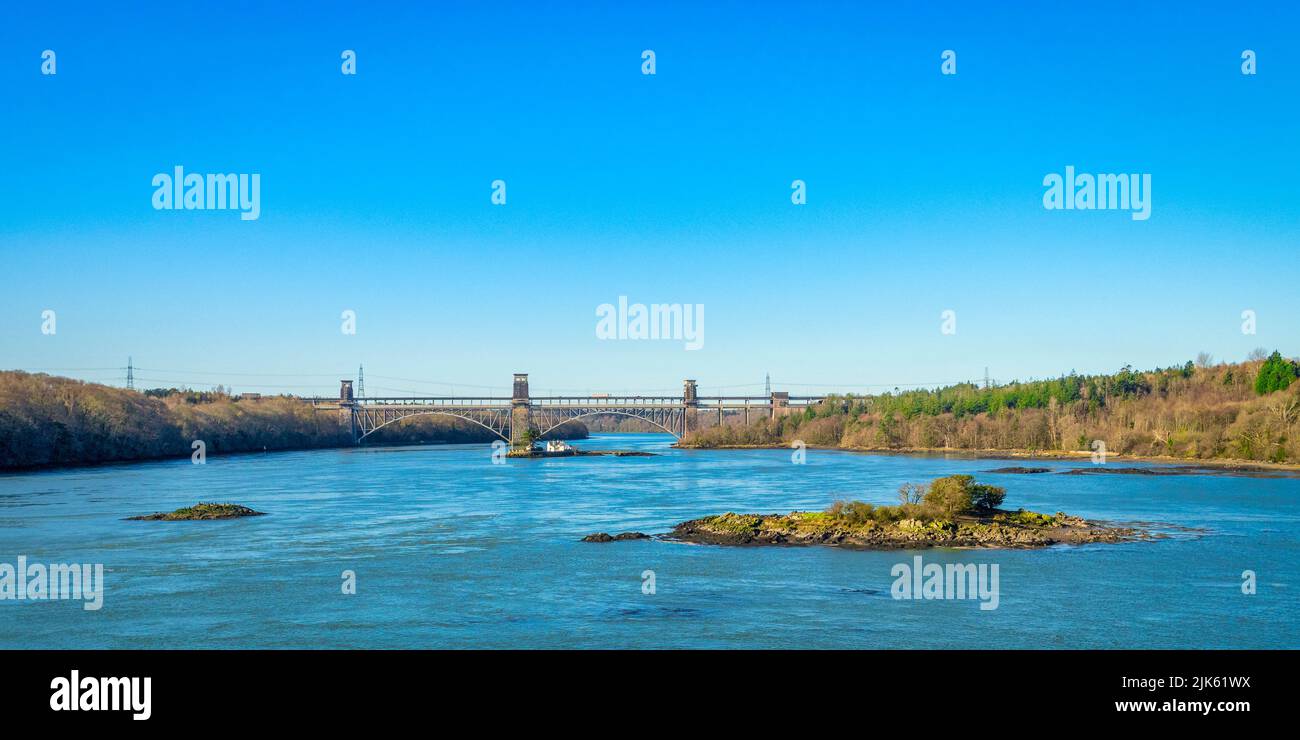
(994, 529)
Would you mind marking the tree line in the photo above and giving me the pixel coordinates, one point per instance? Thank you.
(1198, 410)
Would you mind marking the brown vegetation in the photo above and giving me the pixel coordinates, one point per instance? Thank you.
(47, 420)
(1190, 412)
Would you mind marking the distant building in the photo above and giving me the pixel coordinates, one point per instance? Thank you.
(249, 396)
(557, 445)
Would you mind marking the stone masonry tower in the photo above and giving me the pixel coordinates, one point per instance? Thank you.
(347, 408)
(780, 403)
(521, 415)
(691, 417)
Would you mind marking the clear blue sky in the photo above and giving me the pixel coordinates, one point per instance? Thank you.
(924, 191)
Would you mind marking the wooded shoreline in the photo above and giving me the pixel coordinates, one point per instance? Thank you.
(1199, 412)
(53, 422)
(1227, 464)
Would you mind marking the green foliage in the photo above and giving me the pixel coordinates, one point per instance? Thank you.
(736, 523)
(941, 501)
(1029, 518)
(987, 497)
(1276, 374)
(950, 496)
(960, 494)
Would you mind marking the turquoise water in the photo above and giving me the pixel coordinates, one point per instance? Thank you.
(450, 550)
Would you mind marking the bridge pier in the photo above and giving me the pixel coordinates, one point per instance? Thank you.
(348, 407)
(780, 403)
(691, 410)
(521, 415)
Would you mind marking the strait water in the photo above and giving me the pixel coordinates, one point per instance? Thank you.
(450, 550)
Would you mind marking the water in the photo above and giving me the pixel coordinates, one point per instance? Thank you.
(452, 551)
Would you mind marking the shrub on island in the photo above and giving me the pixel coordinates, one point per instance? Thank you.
(942, 500)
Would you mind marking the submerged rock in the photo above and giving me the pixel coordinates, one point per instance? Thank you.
(1110, 470)
(604, 537)
(199, 512)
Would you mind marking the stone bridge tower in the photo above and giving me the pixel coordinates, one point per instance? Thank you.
(691, 414)
(521, 414)
(780, 403)
(346, 404)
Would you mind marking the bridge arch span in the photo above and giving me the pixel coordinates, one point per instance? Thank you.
(431, 413)
(598, 412)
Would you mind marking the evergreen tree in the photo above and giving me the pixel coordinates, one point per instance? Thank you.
(1275, 374)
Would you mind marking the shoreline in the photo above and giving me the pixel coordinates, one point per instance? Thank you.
(1226, 464)
(54, 467)
(993, 454)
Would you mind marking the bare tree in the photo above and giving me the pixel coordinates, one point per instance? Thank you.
(911, 493)
(1287, 408)
(1204, 360)
(1054, 421)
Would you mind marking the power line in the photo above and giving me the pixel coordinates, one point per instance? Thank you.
(217, 375)
(176, 382)
(71, 369)
(251, 375)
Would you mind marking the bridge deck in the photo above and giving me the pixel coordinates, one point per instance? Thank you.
(564, 401)
(519, 419)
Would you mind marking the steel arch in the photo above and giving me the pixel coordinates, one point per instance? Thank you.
(502, 433)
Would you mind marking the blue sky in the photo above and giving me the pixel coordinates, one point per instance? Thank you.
(924, 191)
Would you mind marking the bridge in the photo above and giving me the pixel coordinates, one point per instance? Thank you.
(521, 418)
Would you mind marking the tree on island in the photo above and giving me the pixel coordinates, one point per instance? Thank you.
(911, 493)
(958, 494)
(944, 499)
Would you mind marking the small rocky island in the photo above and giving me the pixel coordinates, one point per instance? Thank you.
(574, 452)
(950, 512)
(606, 537)
(199, 512)
(560, 448)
